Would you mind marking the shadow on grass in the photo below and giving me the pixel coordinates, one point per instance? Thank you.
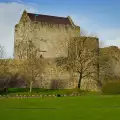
(32, 108)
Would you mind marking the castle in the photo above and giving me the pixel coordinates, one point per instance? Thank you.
(51, 34)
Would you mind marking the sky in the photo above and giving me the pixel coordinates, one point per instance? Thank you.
(98, 18)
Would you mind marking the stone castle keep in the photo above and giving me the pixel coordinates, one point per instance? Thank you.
(52, 34)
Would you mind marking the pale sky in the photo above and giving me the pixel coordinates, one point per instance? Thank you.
(96, 17)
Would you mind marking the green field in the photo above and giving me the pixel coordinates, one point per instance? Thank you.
(90, 107)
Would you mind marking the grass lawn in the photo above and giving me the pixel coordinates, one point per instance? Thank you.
(25, 91)
(39, 91)
(89, 107)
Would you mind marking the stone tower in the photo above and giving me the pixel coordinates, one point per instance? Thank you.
(47, 32)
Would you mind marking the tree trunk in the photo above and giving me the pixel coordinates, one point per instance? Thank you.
(99, 84)
(31, 86)
(79, 82)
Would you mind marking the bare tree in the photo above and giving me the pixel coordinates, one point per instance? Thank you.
(4, 68)
(3, 61)
(27, 51)
(82, 58)
(2, 52)
(32, 62)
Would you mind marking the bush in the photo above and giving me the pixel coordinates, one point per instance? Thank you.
(58, 95)
(1, 90)
(111, 87)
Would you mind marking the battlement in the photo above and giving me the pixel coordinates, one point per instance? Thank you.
(51, 27)
(85, 37)
(47, 21)
(83, 42)
(56, 26)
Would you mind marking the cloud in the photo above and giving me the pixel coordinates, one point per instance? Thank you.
(108, 36)
(10, 14)
(111, 36)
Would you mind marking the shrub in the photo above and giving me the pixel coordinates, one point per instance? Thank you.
(112, 87)
(1, 90)
(58, 95)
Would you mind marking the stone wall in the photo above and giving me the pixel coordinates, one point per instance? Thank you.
(54, 77)
(109, 64)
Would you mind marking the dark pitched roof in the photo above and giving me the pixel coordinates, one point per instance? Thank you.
(49, 19)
